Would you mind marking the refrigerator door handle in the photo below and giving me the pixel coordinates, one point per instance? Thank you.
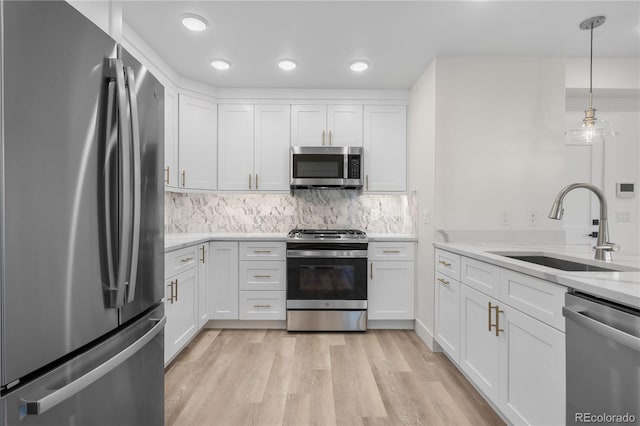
(137, 182)
(41, 405)
(111, 151)
(126, 224)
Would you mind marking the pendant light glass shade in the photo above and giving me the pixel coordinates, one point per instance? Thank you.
(591, 129)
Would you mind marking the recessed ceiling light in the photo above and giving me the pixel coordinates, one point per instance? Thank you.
(359, 65)
(194, 22)
(287, 64)
(220, 64)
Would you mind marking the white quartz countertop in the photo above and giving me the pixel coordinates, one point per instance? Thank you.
(177, 241)
(621, 287)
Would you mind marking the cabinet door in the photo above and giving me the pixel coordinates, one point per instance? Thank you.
(448, 315)
(272, 138)
(479, 347)
(169, 334)
(198, 143)
(532, 371)
(170, 138)
(183, 310)
(309, 125)
(344, 124)
(390, 290)
(235, 147)
(385, 148)
(203, 284)
(223, 302)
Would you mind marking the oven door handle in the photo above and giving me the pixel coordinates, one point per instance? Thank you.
(327, 253)
(575, 314)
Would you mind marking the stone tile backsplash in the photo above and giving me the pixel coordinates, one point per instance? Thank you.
(235, 212)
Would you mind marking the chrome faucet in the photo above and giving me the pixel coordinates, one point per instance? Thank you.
(603, 246)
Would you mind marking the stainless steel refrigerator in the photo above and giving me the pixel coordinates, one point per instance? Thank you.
(81, 224)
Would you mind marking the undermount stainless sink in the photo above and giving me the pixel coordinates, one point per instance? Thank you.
(565, 263)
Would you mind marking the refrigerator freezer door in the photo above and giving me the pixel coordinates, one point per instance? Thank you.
(55, 296)
(129, 393)
(149, 270)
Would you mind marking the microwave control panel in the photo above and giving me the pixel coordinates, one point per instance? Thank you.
(355, 166)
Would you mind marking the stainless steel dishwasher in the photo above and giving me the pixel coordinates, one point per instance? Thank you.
(603, 361)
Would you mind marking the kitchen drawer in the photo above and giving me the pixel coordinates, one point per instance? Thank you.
(391, 251)
(541, 299)
(262, 275)
(481, 276)
(181, 260)
(262, 305)
(261, 250)
(448, 264)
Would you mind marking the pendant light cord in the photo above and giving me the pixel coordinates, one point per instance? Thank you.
(591, 70)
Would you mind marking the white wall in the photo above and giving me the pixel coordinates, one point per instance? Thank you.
(421, 174)
(499, 142)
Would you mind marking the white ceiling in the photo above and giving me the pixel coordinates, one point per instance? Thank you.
(398, 38)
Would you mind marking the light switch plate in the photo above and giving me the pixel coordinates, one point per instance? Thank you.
(623, 216)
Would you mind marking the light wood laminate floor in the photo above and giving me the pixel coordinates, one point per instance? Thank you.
(271, 377)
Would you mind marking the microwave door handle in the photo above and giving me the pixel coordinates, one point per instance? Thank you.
(136, 184)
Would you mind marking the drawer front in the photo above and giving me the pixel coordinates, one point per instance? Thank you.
(481, 276)
(262, 305)
(541, 299)
(262, 275)
(448, 264)
(391, 251)
(181, 260)
(257, 250)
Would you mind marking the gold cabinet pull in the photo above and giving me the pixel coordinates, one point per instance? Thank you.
(171, 294)
(256, 181)
(262, 276)
(262, 251)
(445, 282)
(202, 252)
(442, 262)
(390, 251)
(489, 312)
(371, 271)
(323, 138)
(176, 289)
(249, 180)
(166, 175)
(366, 182)
(186, 259)
(261, 306)
(497, 324)
(184, 174)
(330, 137)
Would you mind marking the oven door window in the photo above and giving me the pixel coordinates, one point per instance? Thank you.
(326, 279)
(313, 166)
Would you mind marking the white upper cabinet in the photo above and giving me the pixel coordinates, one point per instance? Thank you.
(253, 147)
(235, 147)
(326, 125)
(272, 136)
(170, 138)
(198, 143)
(385, 148)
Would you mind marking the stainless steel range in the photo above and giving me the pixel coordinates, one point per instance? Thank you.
(326, 280)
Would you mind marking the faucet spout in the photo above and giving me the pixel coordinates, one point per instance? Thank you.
(603, 246)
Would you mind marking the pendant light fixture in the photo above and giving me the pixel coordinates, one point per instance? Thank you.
(591, 129)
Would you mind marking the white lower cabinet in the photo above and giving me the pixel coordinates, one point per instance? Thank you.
(262, 280)
(448, 315)
(223, 303)
(514, 356)
(262, 305)
(181, 311)
(390, 289)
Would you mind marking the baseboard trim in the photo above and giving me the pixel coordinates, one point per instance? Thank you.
(427, 337)
(390, 324)
(248, 324)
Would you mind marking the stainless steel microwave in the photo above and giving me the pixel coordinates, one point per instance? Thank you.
(326, 167)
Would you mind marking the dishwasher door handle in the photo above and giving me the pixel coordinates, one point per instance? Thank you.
(574, 314)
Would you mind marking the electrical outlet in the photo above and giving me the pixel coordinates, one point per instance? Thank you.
(623, 216)
(505, 218)
(426, 216)
(533, 218)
